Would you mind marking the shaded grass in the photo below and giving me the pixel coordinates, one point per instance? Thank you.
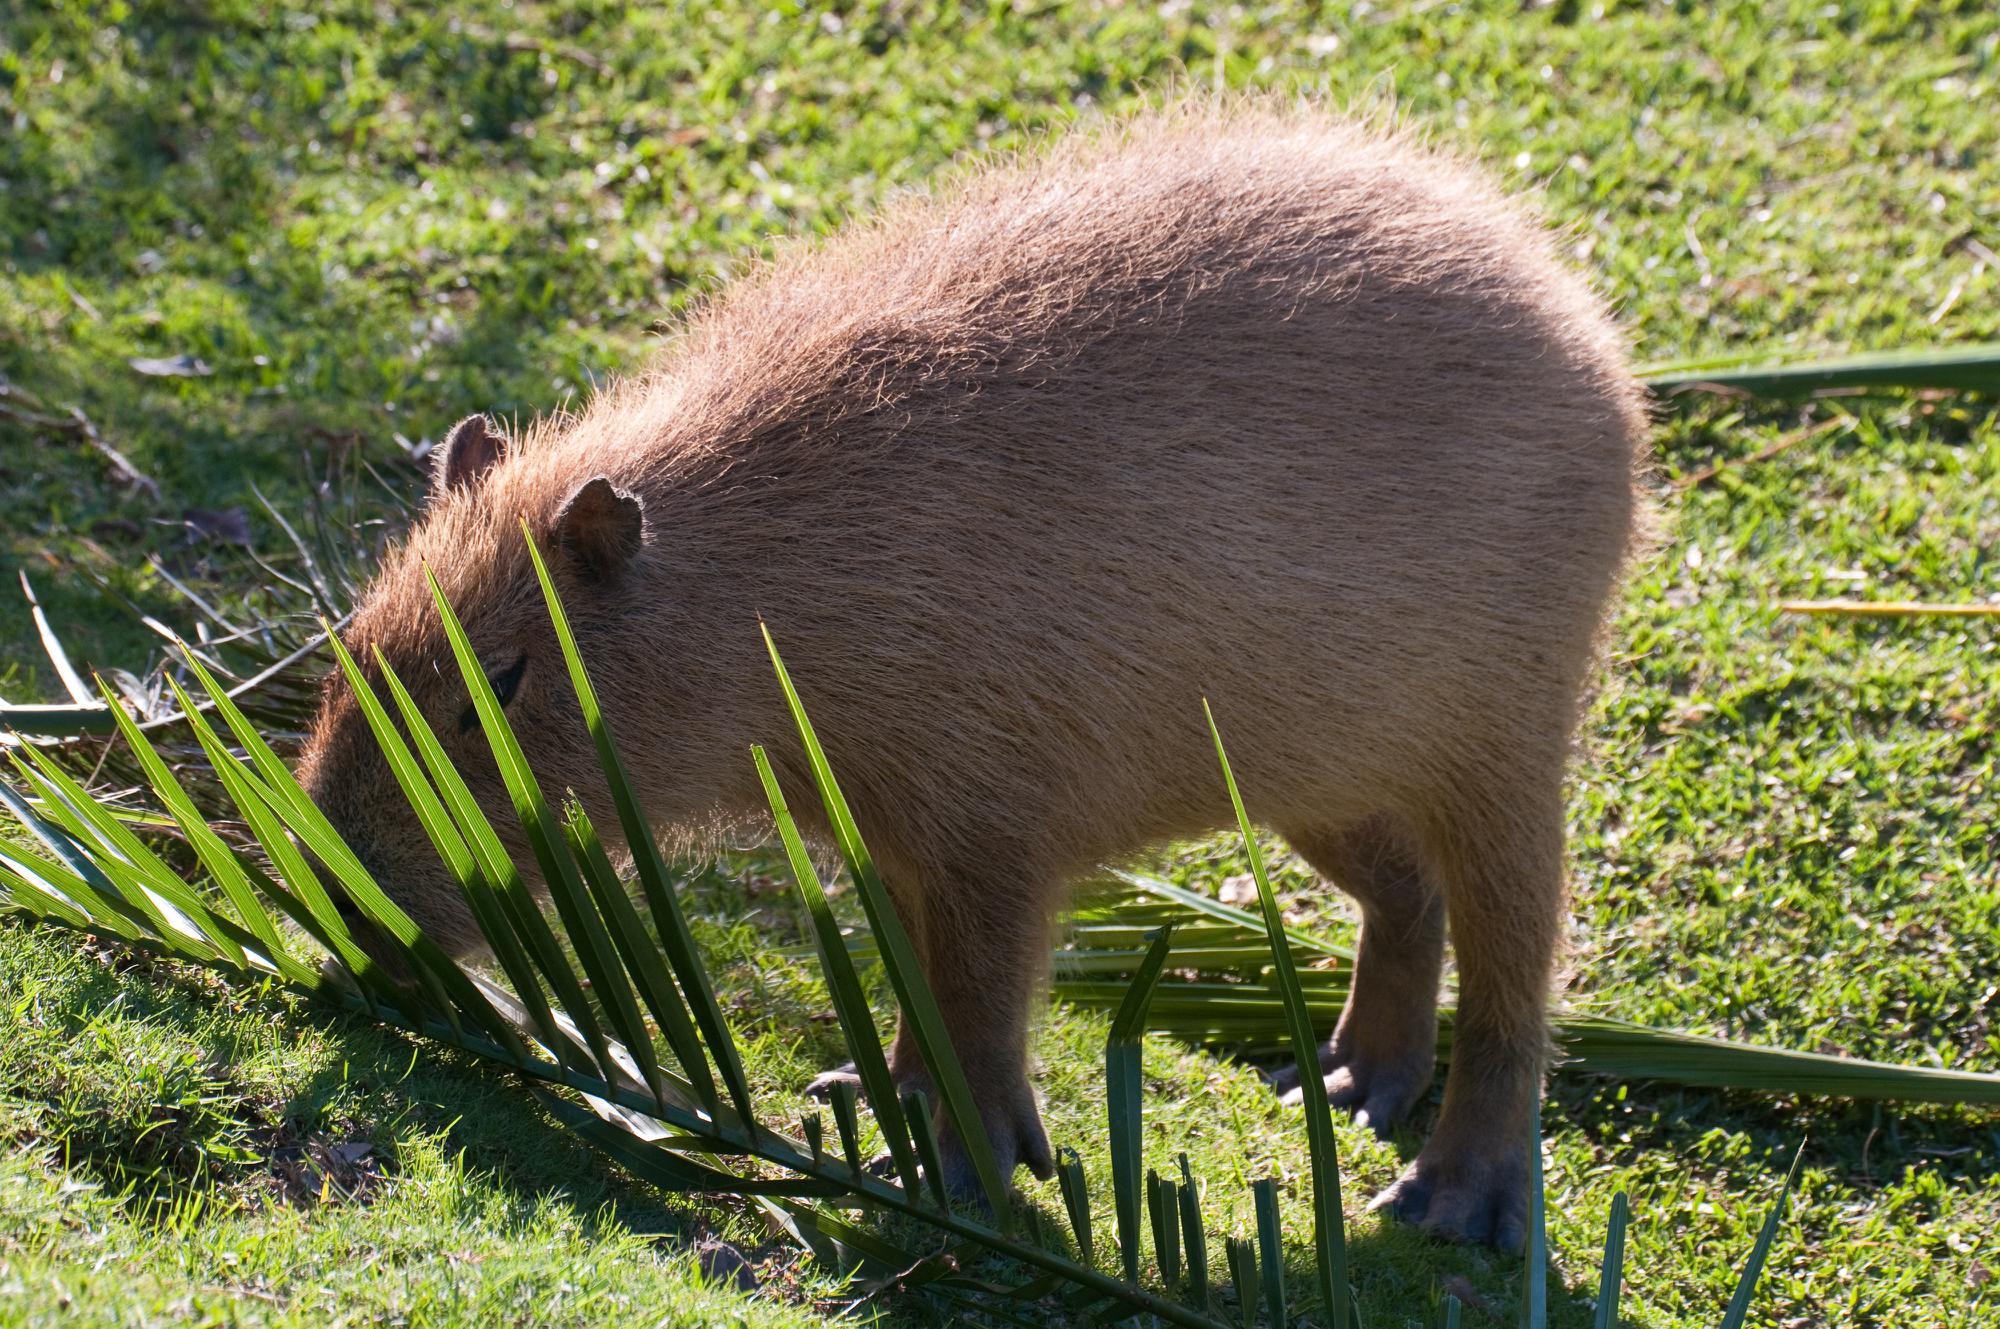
(164, 1151)
(370, 221)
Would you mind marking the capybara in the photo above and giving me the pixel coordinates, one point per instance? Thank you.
(1252, 402)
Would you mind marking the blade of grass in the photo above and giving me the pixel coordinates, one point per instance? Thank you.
(917, 1112)
(271, 783)
(1193, 1238)
(1611, 1274)
(669, 1170)
(150, 915)
(142, 877)
(507, 912)
(70, 838)
(668, 920)
(270, 792)
(26, 895)
(455, 853)
(1535, 1265)
(320, 918)
(1243, 1273)
(1753, 1268)
(1329, 1227)
(847, 1125)
(323, 594)
(1270, 1249)
(1208, 907)
(1125, 1095)
(899, 958)
(559, 871)
(1974, 368)
(272, 788)
(83, 886)
(606, 965)
(850, 1003)
(78, 690)
(1252, 1018)
(58, 720)
(1888, 609)
(1164, 1207)
(642, 961)
(209, 849)
(1076, 1199)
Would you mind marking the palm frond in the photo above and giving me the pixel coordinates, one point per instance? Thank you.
(1965, 368)
(624, 1043)
(269, 649)
(1217, 995)
(1329, 1226)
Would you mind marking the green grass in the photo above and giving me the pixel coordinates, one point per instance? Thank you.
(173, 1151)
(368, 224)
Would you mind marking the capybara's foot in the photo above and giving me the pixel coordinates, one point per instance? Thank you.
(1378, 1078)
(823, 1084)
(1483, 1200)
(1014, 1126)
(826, 1082)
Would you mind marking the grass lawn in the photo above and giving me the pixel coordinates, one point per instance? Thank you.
(361, 222)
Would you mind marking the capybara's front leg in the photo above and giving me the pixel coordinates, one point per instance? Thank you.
(988, 938)
(1502, 874)
(906, 1063)
(981, 940)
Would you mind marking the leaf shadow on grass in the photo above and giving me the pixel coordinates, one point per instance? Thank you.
(158, 1083)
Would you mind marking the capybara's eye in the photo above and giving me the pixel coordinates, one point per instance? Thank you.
(504, 685)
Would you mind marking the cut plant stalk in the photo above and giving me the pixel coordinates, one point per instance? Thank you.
(1888, 609)
(1223, 1001)
(1964, 368)
(1124, 1097)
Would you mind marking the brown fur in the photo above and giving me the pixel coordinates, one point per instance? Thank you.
(1257, 404)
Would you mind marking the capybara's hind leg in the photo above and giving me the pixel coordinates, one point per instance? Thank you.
(1500, 862)
(1384, 1049)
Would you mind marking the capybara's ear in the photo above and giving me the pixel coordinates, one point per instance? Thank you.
(601, 526)
(464, 454)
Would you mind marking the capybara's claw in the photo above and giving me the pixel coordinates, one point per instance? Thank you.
(1378, 1087)
(825, 1082)
(1484, 1203)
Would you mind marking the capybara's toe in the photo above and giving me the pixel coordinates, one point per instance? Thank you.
(1033, 1142)
(1014, 1129)
(1379, 1088)
(1285, 1080)
(826, 1082)
(1482, 1202)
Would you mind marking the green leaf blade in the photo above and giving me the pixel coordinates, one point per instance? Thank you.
(668, 919)
(856, 1019)
(913, 995)
(1329, 1222)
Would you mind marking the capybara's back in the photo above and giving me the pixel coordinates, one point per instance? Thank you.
(1257, 405)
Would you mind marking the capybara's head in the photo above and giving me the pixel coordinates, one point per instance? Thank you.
(470, 536)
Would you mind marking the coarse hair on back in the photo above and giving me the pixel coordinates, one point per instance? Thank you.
(1110, 224)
